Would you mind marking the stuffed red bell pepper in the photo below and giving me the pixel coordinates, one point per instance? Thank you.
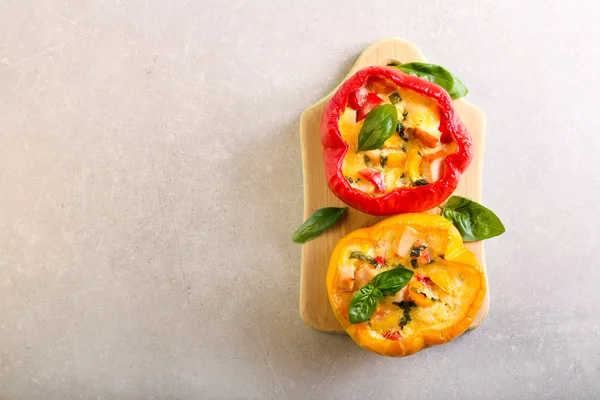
(393, 143)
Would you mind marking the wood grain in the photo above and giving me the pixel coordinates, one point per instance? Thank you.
(314, 304)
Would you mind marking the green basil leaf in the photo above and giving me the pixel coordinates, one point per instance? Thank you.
(438, 75)
(317, 223)
(390, 282)
(473, 221)
(363, 304)
(379, 125)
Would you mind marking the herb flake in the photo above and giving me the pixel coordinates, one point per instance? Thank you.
(406, 306)
(395, 98)
(359, 255)
(400, 130)
(415, 251)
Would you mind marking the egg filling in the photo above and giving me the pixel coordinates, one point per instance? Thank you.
(413, 156)
(438, 303)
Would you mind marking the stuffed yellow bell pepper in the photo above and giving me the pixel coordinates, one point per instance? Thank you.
(405, 284)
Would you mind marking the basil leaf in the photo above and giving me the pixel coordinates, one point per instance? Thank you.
(473, 221)
(379, 125)
(390, 282)
(363, 304)
(317, 223)
(438, 75)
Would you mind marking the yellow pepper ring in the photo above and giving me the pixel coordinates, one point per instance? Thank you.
(441, 309)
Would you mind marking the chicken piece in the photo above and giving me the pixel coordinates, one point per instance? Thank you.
(400, 295)
(363, 276)
(426, 138)
(346, 282)
(436, 169)
(405, 243)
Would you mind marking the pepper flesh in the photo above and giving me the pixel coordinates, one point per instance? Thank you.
(357, 99)
(374, 177)
(456, 259)
(401, 199)
(371, 101)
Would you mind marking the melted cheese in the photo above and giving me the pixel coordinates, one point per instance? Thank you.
(411, 160)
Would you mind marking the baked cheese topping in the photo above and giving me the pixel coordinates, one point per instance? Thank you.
(438, 295)
(413, 156)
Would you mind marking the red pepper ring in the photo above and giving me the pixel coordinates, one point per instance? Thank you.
(404, 199)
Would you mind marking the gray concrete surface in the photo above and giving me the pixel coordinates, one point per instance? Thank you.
(151, 179)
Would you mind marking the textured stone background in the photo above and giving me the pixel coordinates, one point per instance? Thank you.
(151, 179)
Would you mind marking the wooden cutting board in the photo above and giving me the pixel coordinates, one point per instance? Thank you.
(314, 304)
